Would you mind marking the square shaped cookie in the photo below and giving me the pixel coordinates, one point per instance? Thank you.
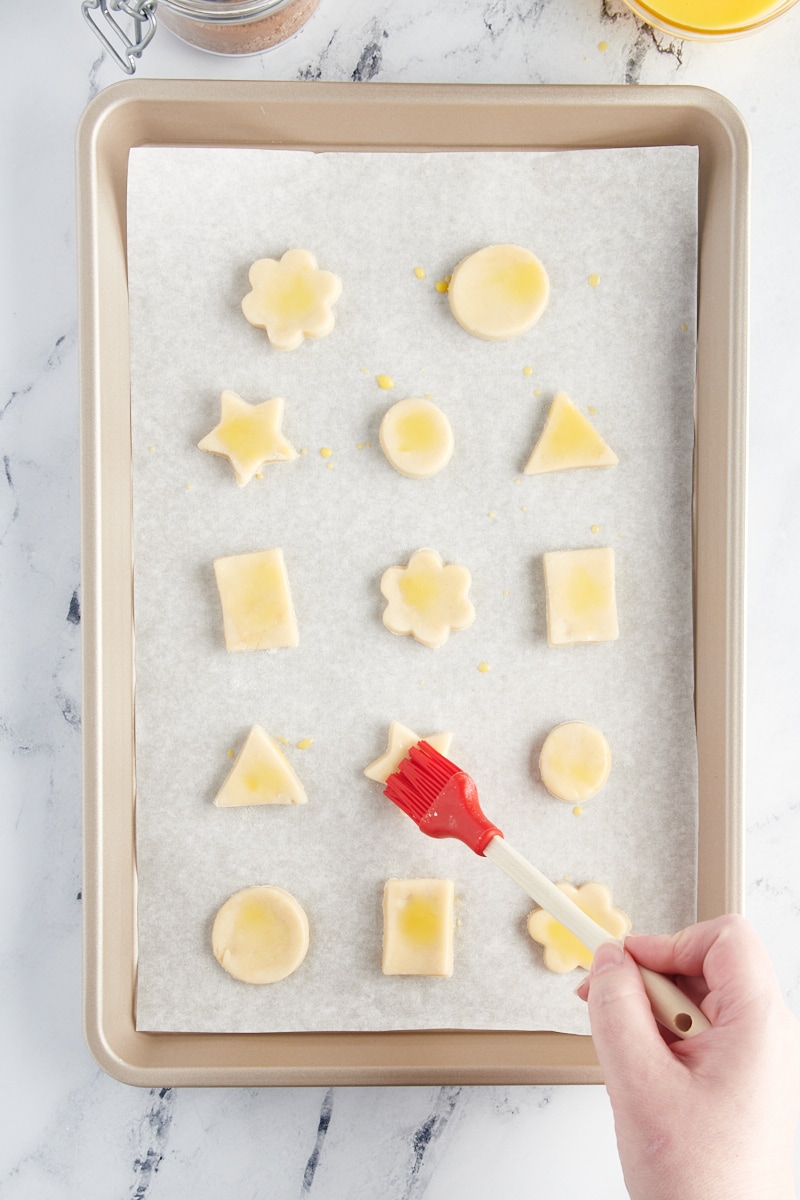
(257, 610)
(581, 600)
(418, 927)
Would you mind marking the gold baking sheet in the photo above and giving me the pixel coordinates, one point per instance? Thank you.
(408, 118)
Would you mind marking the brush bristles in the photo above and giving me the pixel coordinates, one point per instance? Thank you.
(418, 782)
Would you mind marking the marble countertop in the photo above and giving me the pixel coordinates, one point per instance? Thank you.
(69, 1129)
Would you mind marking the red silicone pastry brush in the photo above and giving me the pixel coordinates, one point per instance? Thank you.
(443, 801)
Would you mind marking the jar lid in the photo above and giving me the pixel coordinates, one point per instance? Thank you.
(222, 10)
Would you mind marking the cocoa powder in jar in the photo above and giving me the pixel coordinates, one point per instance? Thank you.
(248, 35)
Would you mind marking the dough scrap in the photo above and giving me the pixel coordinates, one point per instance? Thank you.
(416, 438)
(257, 610)
(575, 761)
(401, 739)
(418, 927)
(427, 598)
(291, 298)
(562, 950)
(581, 599)
(261, 774)
(260, 934)
(248, 435)
(499, 292)
(568, 442)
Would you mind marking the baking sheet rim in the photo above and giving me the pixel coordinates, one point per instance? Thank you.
(470, 1057)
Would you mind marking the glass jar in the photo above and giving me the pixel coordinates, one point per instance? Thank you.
(235, 26)
(125, 27)
(709, 20)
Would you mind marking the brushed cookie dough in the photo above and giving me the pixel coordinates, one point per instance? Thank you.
(418, 927)
(416, 438)
(562, 950)
(248, 435)
(260, 935)
(499, 292)
(291, 298)
(427, 598)
(568, 442)
(581, 598)
(401, 739)
(261, 774)
(257, 610)
(575, 761)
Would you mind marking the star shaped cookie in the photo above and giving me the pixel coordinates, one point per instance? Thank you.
(248, 435)
(401, 739)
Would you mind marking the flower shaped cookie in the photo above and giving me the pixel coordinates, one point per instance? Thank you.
(291, 298)
(427, 598)
(562, 950)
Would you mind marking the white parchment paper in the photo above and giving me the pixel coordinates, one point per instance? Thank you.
(623, 351)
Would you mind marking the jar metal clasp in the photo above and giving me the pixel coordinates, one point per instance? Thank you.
(124, 48)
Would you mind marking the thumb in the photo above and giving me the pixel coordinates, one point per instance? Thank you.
(624, 1030)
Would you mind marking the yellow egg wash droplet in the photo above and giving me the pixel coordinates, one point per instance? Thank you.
(419, 590)
(237, 435)
(304, 451)
(256, 927)
(527, 371)
(594, 280)
(263, 600)
(151, 448)
(683, 328)
(417, 432)
(283, 741)
(585, 593)
(231, 754)
(329, 466)
(591, 409)
(537, 391)
(484, 668)
(565, 942)
(505, 592)
(259, 474)
(602, 47)
(419, 272)
(577, 810)
(441, 286)
(491, 516)
(384, 381)
(568, 434)
(188, 487)
(264, 780)
(595, 529)
(326, 452)
(419, 922)
(304, 743)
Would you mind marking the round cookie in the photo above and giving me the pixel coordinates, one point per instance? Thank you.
(416, 438)
(260, 934)
(575, 761)
(499, 292)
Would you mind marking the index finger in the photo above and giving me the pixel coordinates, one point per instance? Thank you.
(726, 952)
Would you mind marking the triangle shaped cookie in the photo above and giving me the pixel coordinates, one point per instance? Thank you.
(569, 440)
(260, 775)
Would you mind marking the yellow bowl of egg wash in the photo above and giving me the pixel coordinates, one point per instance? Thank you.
(709, 20)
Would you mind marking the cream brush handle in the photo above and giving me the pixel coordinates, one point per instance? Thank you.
(670, 1006)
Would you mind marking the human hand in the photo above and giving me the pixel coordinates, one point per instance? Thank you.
(712, 1117)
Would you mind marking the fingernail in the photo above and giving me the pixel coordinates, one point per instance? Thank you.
(606, 956)
(582, 990)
